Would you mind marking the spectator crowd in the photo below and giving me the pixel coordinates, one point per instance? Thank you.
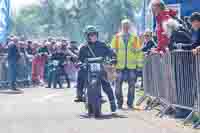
(54, 61)
(33, 62)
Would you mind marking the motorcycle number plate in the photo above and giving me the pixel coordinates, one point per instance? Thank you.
(55, 62)
(95, 67)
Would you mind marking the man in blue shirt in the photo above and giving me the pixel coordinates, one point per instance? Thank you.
(13, 56)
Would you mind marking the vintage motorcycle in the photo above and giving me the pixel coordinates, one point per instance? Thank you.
(92, 90)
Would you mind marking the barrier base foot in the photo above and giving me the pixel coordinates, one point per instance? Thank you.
(164, 111)
(196, 124)
(188, 118)
(156, 103)
(151, 104)
(158, 114)
(141, 100)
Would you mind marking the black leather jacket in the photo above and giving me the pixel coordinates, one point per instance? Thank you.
(100, 49)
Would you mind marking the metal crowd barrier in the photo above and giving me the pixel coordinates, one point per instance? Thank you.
(147, 77)
(22, 72)
(174, 79)
(149, 82)
(184, 66)
(198, 86)
(3, 72)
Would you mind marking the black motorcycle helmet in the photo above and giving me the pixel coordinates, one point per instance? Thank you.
(195, 17)
(90, 29)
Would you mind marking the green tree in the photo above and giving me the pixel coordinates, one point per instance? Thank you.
(69, 17)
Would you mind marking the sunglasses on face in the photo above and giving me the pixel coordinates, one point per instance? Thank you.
(92, 34)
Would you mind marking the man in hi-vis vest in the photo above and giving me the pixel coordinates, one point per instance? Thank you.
(128, 51)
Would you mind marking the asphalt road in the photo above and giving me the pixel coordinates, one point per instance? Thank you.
(42, 110)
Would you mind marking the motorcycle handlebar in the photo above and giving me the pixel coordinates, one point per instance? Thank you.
(97, 59)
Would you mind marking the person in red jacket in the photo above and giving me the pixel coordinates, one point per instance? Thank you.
(162, 14)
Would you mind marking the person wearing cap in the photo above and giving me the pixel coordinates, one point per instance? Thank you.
(13, 57)
(29, 58)
(56, 71)
(127, 46)
(161, 14)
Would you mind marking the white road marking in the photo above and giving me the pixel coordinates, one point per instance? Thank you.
(47, 97)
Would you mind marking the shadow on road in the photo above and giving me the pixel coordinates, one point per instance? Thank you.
(104, 116)
(8, 92)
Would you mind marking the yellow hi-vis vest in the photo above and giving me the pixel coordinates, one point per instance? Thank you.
(140, 58)
(129, 60)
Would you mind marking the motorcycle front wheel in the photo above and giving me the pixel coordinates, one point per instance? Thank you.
(94, 99)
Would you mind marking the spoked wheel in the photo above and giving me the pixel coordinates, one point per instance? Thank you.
(88, 107)
(94, 97)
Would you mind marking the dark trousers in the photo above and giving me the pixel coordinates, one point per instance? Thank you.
(81, 82)
(55, 78)
(108, 90)
(12, 73)
(67, 79)
(130, 76)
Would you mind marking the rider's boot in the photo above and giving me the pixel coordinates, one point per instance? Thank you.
(79, 99)
(113, 106)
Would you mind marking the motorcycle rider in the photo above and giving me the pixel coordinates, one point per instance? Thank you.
(56, 73)
(94, 47)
